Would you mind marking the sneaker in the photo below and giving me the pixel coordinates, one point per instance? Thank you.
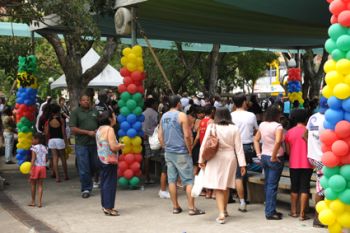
(164, 194)
(85, 194)
(10, 162)
(242, 208)
(96, 185)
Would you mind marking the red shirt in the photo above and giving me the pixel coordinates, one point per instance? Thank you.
(203, 125)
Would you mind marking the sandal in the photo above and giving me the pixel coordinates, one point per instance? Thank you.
(293, 215)
(195, 211)
(226, 214)
(177, 210)
(221, 218)
(304, 218)
(111, 212)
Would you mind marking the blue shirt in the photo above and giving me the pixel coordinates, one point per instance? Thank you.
(173, 134)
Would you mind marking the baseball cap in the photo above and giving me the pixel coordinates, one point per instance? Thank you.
(323, 106)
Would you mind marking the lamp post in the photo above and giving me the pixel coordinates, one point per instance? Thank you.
(50, 80)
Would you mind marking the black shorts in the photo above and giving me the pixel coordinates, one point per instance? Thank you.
(300, 179)
(162, 161)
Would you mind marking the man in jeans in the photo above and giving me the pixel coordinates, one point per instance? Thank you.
(83, 123)
(175, 137)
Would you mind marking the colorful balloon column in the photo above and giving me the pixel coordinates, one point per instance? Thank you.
(294, 85)
(25, 109)
(131, 118)
(334, 211)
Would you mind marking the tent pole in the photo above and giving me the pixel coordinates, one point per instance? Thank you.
(133, 27)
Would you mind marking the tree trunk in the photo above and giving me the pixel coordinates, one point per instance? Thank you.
(214, 63)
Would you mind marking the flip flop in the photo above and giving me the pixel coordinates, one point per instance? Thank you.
(31, 205)
(193, 212)
(293, 215)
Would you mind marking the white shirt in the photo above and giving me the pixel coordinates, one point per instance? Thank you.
(184, 101)
(218, 104)
(314, 127)
(246, 123)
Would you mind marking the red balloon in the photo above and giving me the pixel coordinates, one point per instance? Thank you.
(122, 166)
(337, 6)
(144, 75)
(128, 173)
(334, 19)
(345, 160)
(132, 88)
(328, 137)
(340, 148)
(329, 1)
(121, 88)
(127, 81)
(330, 160)
(136, 75)
(138, 157)
(342, 129)
(121, 158)
(138, 173)
(129, 158)
(344, 18)
(135, 167)
(120, 173)
(124, 72)
(138, 83)
(141, 89)
(325, 148)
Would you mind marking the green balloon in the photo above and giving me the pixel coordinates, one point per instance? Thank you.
(131, 104)
(330, 45)
(125, 96)
(337, 54)
(347, 56)
(345, 196)
(141, 103)
(336, 30)
(345, 171)
(343, 43)
(330, 194)
(137, 111)
(121, 103)
(134, 181)
(19, 125)
(328, 172)
(124, 111)
(123, 182)
(324, 182)
(137, 97)
(25, 129)
(337, 183)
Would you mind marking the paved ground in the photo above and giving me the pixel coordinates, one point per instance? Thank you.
(141, 212)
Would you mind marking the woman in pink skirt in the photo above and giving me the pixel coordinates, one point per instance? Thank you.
(219, 172)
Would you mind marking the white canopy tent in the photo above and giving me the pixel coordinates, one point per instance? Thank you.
(109, 77)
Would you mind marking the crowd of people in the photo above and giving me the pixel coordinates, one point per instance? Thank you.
(251, 136)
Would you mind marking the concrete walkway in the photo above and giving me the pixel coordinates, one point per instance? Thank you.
(141, 211)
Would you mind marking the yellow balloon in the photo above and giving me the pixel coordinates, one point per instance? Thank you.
(124, 61)
(136, 141)
(25, 167)
(137, 50)
(343, 66)
(327, 91)
(333, 78)
(344, 220)
(337, 207)
(131, 66)
(126, 51)
(346, 79)
(131, 58)
(330, 65)
(140, 68)
(327, 217)
(126, 140)
(335, 228)
(127, 149)
(137, 149)
(341, 91)
(139, 61)
(320, 206)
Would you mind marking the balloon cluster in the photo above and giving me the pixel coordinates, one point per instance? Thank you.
(130, 119)
(25, 109)
(294, 85)
(335, 210)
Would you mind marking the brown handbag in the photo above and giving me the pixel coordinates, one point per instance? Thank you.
(211, 146)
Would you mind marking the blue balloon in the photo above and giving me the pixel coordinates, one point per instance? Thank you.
(334, 103)
(141, 133)
(141, 118)
(346, 104)
(131, 133)
(131, 118)
(27, 102)
(137, 125)
(347, 116)
(121, 118)
(328, 125)
(334, 116)
(20, 157)
(121, 133)
(125, 125)
(19, 162)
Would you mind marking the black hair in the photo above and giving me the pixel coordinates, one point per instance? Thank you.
(54, 108)
(296, 104)
(174, 100)
(273, 113)
(222, 117)
(150, 102)
(40, 137)
(299, 116)
(238, 99)
(104, 118)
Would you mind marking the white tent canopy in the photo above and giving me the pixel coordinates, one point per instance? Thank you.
(109, 77)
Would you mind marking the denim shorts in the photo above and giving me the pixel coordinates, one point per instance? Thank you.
(179, 165)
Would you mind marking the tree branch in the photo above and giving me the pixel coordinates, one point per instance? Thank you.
(323, 60)
(56, 43)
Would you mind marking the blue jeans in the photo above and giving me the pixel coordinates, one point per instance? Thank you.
(272, 171)
(87, 165)
(9, 144)
(108, 184)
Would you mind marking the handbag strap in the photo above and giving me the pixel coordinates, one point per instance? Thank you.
(213, 130)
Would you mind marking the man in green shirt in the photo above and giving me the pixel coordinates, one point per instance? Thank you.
(83, 123)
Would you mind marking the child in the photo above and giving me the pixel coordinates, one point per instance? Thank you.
(38, 170)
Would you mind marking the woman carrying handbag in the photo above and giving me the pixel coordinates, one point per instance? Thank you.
(220, 168)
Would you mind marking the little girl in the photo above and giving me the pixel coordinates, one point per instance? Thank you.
(38, 170)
